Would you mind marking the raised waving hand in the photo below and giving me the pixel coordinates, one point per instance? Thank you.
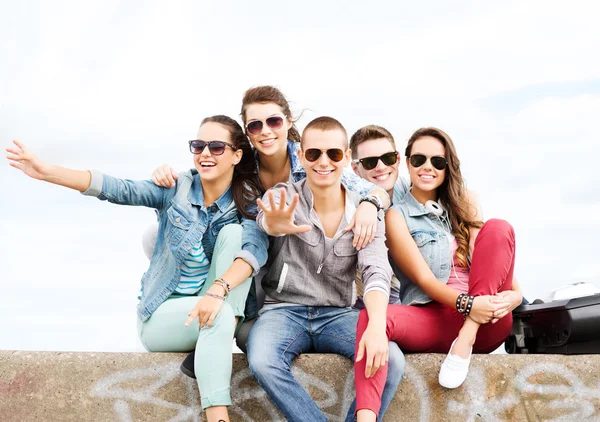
(21, 158)
(279, 217)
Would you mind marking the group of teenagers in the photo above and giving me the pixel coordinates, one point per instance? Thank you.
(358, 261)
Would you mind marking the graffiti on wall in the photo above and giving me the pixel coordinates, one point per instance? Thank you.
(570, 399)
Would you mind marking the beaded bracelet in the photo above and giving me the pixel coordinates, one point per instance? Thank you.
(215, 296)
(225, 285)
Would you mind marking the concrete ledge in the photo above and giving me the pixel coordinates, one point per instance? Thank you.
(52, 386)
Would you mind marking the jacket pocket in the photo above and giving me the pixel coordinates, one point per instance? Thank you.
(178, 225)
(344, 248)
(345, 260)
(428, 245)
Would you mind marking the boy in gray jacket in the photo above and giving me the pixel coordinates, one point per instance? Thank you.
(310, 285)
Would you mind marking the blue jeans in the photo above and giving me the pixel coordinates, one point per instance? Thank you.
(279, 335)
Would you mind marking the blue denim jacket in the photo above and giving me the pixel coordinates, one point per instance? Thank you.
(432, 240)
(350, 180)
(183, 221)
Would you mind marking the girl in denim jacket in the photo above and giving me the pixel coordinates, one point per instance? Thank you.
(456, 273)
(208, 246)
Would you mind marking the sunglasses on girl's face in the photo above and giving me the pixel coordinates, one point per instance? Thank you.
(256, 126)
(437, 161)
(214, 147)
(369, 163)
(334, 154)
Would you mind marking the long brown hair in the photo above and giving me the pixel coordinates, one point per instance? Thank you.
(244, 185)
(270, 94)
(452, 192)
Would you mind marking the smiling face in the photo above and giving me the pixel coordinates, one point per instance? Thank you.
(269, 141)
(324, 172)
(215, 167)
(382, 175)
(426, 178)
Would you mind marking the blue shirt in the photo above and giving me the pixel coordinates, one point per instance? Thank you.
(194, 270)
(183, 222)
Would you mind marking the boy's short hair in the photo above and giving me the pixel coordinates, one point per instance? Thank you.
(368, 133)
(324, 123)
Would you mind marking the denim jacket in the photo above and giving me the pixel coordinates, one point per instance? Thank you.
(350, 180)
(183, 221)
(432, 240)
(401, 186)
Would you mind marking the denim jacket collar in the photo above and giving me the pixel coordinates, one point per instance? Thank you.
(196, 195)
(414, 207)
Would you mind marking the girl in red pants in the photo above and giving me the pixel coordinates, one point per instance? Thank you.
(456, 273)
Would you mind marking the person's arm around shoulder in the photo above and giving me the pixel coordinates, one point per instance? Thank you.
(275, 216)
(357, 184)
(364, 221)
(165, 176)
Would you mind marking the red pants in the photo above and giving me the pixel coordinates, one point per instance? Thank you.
(433, 327)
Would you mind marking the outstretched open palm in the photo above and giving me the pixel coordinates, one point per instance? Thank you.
(279, 217)
(23, 159)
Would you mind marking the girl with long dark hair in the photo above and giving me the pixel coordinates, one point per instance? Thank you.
(456, 273)
(207, 248)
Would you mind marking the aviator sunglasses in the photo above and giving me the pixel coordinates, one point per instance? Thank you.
(214, 147)
(334, 154)
(437, 161)
(369, 163)
(256, 126)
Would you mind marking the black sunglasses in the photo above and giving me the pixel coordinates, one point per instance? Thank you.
(369, 163)
(437, 161)
(214, 147)
(334, 154)
(256, 126)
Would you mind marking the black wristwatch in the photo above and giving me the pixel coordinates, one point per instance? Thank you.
(373, 200)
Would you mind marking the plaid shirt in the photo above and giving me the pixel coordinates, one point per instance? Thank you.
(300, 273)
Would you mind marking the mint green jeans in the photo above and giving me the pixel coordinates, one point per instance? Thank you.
(165, 330)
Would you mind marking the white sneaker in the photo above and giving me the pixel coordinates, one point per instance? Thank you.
(454, 369)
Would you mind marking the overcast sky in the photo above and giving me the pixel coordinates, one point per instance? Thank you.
(121, 86)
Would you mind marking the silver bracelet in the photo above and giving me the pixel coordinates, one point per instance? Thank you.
(215, 296)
